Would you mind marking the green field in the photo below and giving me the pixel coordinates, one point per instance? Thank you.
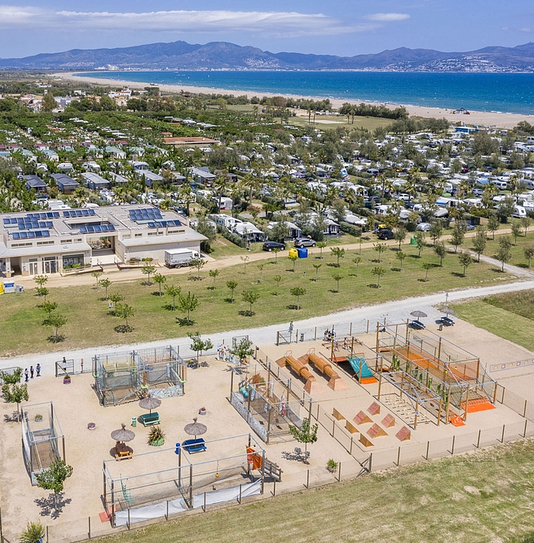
(518, 257)
(509, 316)
(483, 497)
(90, 321)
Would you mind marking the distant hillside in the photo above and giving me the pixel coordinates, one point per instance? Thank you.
(180, 55)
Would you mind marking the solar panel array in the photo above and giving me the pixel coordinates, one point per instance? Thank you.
(148, 214)
(163, 224)
(73, 213)
(31, 235)
(96, 229)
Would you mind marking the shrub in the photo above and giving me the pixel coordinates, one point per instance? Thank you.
(348, 228)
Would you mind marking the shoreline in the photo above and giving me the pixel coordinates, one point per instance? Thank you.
(484, 118)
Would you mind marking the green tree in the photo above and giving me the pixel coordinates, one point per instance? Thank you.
(125, 311)
(54, 477)
(245, 260)
(277, 279)
(525, 223)
(106, 283)
(298, 292)
(480, 241)
(232, 285)
(436, 230)
(440, 250)
(420, 242)
(49, 307)
(173, 291)
(188, 303)
(198, 264)
(276, 251)
(380, 248)
(516, 230)
(42, 292)
(427, 266)
(293, 259)
(34, 533)
(49, 102)
(148, 270)
(400, 235)
(529, 253)
(115, 299)
(321, 245)
(159, 279)
(378, 271)
(493, 223)
(504, 253)
(250, 297)
(400, 257)
(260, 267)
(56, 321)
(41, 280)
(198, 344)
(316, 267)
(214, 274)
(337, 278)
(458, 234)
(338, 252)
(306, 434)
(97, 275)
(242, 350)
(12, 389)
(465, 260)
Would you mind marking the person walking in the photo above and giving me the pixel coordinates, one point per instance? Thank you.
(26, 375)
(291, 327)
(38, 370)
(31, 371)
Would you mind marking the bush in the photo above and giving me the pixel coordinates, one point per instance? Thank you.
(234, 238)
(348, 228)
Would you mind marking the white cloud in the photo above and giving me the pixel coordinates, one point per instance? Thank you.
(387, 17)
(526, 29)
(288, 24)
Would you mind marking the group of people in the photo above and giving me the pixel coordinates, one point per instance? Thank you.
(33, 372)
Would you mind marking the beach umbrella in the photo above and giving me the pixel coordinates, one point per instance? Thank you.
(150, 403)
(195, 428)
(122, 434)
(418, 314)
(448, 311)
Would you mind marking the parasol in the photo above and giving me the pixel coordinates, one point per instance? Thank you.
(195, 428)
(418, 314)
(150, 403)
(123, 434)
(448, 311)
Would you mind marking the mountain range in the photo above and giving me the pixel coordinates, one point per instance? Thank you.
(180, 55)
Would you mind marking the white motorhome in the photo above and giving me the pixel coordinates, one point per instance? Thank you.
(176, 258)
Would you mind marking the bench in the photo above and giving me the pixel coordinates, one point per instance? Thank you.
(194, 445)
(149, 418)
(121, 451)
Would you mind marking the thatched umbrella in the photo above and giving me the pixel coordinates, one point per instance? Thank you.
(122, 434)
(195, 428)
(418, 314)
(448, 311)
(150, 403)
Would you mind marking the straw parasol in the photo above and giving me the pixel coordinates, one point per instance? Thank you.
(448, 311)
(195, 428)
(418, 314)
(150, 403)
(122, 434)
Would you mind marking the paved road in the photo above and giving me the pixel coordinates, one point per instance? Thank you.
(395, 311)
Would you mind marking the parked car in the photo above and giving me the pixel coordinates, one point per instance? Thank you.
(386, 234)
(270, 245)
(305, 242)
(423, 226)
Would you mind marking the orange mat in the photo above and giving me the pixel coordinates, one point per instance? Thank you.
(457, 421)
(474, 406)
(368, 380)
(105, 516)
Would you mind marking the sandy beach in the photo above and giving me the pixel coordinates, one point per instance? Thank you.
(483, 118)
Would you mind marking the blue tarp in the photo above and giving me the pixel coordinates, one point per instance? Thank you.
(355, 363)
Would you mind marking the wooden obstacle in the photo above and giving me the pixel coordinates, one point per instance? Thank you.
(335, 382)
(361, 418)
(366, 442)
(351, 428)
(388, 421)
(478, 404)
(404, 434)
(337, 415)
(374, 409)
(311, 386)
(376, 431)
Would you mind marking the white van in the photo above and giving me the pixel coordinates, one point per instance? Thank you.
(519, 212)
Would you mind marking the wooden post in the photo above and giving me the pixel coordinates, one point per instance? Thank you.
(104, 485)
(339, 473)
(307, 478)
(190, 486)
(452, 447)
(439, 410)
(503, 429)
(466, 403)
(167, 511)
(379, 384)
(350, 330)
(112, 503)
(398, 456)
(351, 440)
(427, 449)
(88, 525)
(439, 348)
(274, 488)
(333, 426)
(495, 393)
(240, 494)
(128, 523)
(370, 462)
(416, 413)
(231, 383)
(269, 424)
(525, 430)
(525, 409)
(478, 439)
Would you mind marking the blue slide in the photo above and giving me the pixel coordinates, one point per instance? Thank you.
(355, 363)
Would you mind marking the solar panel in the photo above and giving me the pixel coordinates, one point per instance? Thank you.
(56, 214)
(83, 230)
(111, 228)
(39, 234)
(91, 212)
(16, 235)
(90, 229)
(7, 221)
(66, 214)
(23, 235)
(79, 213)
(31, 234)
(85, 212)
(46, 233)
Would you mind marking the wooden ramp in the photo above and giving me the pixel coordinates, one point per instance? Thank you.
(480, 404)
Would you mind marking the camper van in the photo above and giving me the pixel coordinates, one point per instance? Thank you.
(519, 212)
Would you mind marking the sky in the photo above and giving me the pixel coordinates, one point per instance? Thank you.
(338, 27)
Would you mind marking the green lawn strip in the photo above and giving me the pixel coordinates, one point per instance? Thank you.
(498, 321)
(91, 323)
(518, 257)
(470, 498)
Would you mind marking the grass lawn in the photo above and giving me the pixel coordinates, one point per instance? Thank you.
(518, 257)
(482, 497)
(91, 322)
(509, 316)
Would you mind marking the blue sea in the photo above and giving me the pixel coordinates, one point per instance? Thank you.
(507, 93)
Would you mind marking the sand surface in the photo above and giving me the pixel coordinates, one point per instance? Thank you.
(485, 118)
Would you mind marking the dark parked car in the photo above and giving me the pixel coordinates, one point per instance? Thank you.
(304, 242)
(270, 245)
(385, 234)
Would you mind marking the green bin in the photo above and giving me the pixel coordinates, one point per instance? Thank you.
(134, 421)
(413, 240)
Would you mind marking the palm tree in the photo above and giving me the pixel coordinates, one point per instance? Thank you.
(159, 279)
(316, 266)
(174, 291)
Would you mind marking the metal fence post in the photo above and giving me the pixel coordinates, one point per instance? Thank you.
(503, 429)
(88, 523)
(204, 506)
(128, 518)
(240, 489)
(398, 457)
(525, 430)
(274, 488)
(427, 449)
(333, 426)
(339, 473)
(525, 409)
(167, 513)
(478, 439)
(307, 478)
(452, 448)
